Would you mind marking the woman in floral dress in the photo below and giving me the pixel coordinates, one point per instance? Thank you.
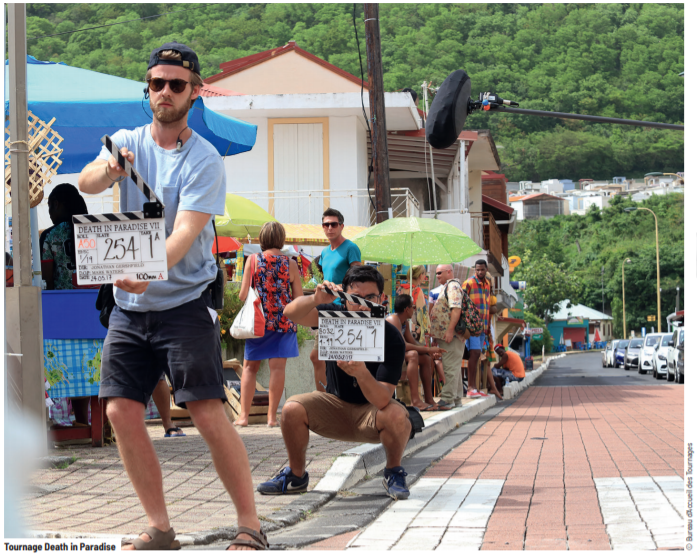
(277, 281)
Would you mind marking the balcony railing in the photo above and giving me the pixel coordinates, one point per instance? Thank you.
(305, 206)
(490, 239)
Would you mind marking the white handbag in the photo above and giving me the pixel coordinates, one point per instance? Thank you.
(250, 322)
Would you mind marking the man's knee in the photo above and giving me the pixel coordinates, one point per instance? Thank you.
(293, 414)
(207, 415)
(393, 419)
(123, 410)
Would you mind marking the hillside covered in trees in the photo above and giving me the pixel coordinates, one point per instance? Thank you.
(586, 244)
(620, 60)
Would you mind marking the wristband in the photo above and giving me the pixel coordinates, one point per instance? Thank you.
(106, 171)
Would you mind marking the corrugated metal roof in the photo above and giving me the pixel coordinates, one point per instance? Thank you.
(580, 311)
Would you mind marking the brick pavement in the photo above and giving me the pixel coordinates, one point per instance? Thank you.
(95, 495)
(552, 454)
(549, 499)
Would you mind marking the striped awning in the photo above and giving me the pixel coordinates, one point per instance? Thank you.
(312, 234)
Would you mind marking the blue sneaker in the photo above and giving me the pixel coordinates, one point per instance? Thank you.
(395, 483)
(285, 483)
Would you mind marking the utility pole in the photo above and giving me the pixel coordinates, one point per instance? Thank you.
(23, 323)
(602, 282)
(380, 162)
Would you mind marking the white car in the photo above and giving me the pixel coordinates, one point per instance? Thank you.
(651, 342)
(607, 354)
(678, 339)
(660, 357)
(610, 357)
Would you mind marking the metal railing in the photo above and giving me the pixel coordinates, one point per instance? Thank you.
(305, 206)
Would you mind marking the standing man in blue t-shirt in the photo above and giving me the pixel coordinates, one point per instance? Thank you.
(169, 325)
(335, 261)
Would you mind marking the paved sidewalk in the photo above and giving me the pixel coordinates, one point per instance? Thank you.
(93, 495)
(562, 468)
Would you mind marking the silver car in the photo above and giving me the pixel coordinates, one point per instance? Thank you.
(660, 357)
(632, 354)
(651, 342)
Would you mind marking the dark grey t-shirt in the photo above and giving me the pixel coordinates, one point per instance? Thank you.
(390, 370)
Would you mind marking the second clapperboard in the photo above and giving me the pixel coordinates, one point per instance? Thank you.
(122, 244)
(352, 335)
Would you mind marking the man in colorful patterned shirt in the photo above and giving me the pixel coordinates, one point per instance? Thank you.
(479, 291)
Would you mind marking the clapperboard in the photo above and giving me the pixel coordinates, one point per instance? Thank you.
(352, 335)
(122, 245)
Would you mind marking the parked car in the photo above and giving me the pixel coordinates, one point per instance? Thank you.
(619, 353)
(631, 358)
(646, 358)
(613, 348)
(680, 365)
(677, 341)
(607, 355)
(660, 357)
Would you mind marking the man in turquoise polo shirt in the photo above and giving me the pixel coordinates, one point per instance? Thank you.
(335, 261)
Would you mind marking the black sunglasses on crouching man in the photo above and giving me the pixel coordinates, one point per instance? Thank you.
(156, 84)
(330, 224)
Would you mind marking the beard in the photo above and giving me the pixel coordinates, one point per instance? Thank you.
(168, 115)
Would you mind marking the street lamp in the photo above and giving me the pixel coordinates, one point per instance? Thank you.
(658, 268)
(624, 318)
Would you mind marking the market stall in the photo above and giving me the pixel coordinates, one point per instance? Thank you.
(73, 342)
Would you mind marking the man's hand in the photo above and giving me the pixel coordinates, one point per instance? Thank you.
(353, 368)
(113, 168)
(449, 336)
(131, 286)
(322, 297)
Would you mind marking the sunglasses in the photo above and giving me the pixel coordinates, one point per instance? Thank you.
(176, 85)
(438, 273)
(330, 224)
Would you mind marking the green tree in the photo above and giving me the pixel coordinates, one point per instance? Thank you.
(548, 284)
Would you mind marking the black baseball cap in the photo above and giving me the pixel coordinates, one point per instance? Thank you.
(189, 59)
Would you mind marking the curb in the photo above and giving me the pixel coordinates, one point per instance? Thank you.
(350, 468)
(512, 389)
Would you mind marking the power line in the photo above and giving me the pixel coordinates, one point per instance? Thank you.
(119, 23)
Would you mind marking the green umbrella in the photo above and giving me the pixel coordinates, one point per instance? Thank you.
(242, 218)
(415, 241)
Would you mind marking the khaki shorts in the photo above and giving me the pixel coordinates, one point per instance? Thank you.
(334, 418)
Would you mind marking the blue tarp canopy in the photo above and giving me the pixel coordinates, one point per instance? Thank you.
(88, 105)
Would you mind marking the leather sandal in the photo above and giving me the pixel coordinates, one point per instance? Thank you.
(159, 540)
(259, 542)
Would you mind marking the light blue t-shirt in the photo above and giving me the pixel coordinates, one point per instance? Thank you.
(336, 263)
(190, 179)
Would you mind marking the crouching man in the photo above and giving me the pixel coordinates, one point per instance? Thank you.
(358, 405)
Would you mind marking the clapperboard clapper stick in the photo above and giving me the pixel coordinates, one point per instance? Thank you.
(352, 335)
(121, 245)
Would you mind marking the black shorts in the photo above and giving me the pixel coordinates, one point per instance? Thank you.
(182, 342)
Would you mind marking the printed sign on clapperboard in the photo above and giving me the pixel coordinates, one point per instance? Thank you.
(352, 335)
(122, 244)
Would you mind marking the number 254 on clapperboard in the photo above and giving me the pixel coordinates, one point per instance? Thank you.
(352, 335)
(122, 245)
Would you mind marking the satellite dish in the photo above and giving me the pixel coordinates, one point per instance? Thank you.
(447, 115)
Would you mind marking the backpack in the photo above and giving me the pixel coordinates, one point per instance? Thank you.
(470, 323)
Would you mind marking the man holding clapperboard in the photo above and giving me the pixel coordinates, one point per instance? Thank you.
(358, 405)
(169, 325)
